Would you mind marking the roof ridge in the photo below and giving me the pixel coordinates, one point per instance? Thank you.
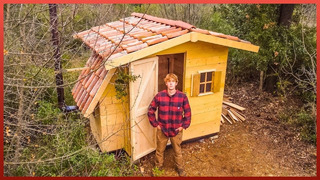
(176, 23)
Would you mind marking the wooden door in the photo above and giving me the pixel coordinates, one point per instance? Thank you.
(142, 91)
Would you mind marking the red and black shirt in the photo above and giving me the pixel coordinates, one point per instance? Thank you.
(173, 112)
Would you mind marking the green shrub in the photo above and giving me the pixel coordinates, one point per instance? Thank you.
(70, 149)
(303, 121)
(157, 172)
(47, 112)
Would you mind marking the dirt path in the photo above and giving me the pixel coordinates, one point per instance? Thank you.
(260, 146)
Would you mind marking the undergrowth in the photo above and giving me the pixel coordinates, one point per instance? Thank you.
(67, 148)
(303, 120)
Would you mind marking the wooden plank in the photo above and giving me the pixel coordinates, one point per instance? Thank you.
(224, 111)
(95, 128)
(112, 138)
(222, 120)
(243, 115)
(226, 118)
(225, 42)
(237, 115)
(234, 106)
(199, 130)
(232, 116)
(211, 116)
(226, 99)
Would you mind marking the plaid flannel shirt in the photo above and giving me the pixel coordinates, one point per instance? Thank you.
(170, 112)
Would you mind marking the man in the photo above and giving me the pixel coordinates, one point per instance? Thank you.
(171, 104)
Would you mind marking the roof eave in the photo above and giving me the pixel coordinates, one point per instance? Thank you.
(147, 51)
(193, 37)
(223, 42)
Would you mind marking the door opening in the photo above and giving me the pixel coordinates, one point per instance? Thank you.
(170, 63)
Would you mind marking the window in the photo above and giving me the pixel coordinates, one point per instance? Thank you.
(206, 82)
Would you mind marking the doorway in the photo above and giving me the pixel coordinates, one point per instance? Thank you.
(170, 63)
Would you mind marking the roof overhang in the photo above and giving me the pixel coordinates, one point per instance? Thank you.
(190, 37)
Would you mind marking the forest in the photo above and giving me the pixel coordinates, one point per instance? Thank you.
(41, 139)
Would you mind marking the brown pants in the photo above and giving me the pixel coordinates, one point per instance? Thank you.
(162, 141)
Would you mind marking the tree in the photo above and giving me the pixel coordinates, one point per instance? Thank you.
(57, 55)
(285, 16)
(40, 140)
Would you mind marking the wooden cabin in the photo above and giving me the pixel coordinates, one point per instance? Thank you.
(151, 47)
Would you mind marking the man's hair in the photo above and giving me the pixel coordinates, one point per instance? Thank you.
(171, 76)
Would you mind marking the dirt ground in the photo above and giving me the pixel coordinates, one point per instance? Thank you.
(259, 146)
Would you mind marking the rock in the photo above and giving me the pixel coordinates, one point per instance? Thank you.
(214, 137)
(142, 169)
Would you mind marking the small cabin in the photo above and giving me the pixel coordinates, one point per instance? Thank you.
(149, 47)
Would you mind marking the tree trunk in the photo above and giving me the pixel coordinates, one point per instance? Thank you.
(271, 80)
(285, 16)
(286, 11)
(261, 80)
(57, 55)
(16, 139)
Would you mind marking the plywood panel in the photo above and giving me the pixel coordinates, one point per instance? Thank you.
(211, 116)
(97, 121)
(112, 117)
(95, 127)
(199, 130)
(113, 137)
(204, 109)
(205, 61)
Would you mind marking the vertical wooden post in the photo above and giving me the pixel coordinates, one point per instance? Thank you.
(261, 81)
(57, 55)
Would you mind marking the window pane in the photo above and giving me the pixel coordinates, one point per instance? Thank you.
(202, 77)
(202, 88)
(208, 87)
(209, 76)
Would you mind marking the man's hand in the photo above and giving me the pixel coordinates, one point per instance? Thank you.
(179, 129)
(158, 127)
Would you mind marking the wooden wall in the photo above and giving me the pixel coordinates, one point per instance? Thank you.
(110, 123)
(206, 110)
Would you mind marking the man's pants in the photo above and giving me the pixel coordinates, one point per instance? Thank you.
(162, 141)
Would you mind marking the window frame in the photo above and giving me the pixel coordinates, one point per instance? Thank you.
(215, 82)
(206, 82)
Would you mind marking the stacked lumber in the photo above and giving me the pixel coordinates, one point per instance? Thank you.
(231, 113)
